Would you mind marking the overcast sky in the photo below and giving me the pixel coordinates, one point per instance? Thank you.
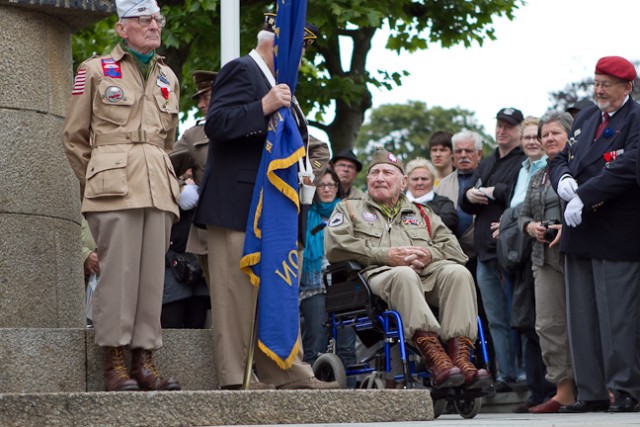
(548, 44)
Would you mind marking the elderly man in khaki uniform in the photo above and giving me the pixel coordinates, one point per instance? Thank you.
(121, 122)
(190, 152)
(409, 254)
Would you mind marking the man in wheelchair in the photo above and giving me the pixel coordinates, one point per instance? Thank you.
(411, 261)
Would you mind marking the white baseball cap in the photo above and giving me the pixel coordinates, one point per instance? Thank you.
(133, 8)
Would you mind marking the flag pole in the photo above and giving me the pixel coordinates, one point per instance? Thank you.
(248, 361)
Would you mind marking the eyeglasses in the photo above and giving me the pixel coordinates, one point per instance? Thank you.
(328, 186)
(606, 85)
(529, 137)
(145, 21)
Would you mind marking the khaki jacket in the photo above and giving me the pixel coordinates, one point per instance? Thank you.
(359, 231)
(117, 133)
(191, 152)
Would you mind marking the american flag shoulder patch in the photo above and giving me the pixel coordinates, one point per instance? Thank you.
(78, 83)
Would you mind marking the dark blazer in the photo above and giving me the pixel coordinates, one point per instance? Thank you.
(237, 128)
(610, 227)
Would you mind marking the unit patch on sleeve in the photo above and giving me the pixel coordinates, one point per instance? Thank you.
(111, 68)
(336, 219)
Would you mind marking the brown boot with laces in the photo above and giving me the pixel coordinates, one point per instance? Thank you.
(115, 371)
(143, 370)
(443, 373)
(460, 353)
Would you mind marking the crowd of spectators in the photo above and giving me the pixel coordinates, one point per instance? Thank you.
(564, 319)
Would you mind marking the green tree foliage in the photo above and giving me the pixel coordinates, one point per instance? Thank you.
(191, 41)
(404, 129)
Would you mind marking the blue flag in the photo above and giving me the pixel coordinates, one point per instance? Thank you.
(270, 254)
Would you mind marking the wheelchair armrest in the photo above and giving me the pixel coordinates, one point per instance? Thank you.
(346, 266)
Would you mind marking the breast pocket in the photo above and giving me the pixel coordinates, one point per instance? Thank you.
(368, 231)
(113, 105)
(168, 108)
(419, 236)
(106, 176)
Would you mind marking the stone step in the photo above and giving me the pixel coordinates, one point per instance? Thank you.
(51, 360)
(208, 408)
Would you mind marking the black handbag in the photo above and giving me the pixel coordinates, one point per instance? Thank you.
(514, 246)
(184, 266)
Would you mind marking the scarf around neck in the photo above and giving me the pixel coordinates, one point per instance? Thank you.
(314, 244)
(422, 199)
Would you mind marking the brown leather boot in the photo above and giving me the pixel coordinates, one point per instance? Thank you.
(460, 353)
(115, 371)
(143, 370)
(443, 373)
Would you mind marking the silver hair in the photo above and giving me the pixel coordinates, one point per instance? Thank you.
(421, 162)
(565, 119)
(265, 35)
(465, 135)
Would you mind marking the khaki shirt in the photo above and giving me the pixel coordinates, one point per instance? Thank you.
(359, 231)
(117, 133)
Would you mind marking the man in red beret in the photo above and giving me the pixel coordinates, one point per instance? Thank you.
(596, 176)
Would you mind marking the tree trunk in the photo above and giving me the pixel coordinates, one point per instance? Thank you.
(349, 117)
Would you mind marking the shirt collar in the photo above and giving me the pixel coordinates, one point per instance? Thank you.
(263, 67)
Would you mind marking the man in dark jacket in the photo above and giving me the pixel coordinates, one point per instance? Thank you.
(245, 95)
(596, 175)
(487, 198)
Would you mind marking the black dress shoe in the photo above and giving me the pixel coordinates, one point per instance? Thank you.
(581, 406)
(624, 403)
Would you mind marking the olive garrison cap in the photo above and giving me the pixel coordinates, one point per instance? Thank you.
(383, 156)
(203, 81)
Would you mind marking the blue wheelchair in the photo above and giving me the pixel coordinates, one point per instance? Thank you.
(350, 303)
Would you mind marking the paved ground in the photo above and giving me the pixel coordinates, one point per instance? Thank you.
(509, 420)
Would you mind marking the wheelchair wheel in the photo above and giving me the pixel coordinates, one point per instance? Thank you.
(372, 381)
(329, 367)
(468, 408)
(439, 406)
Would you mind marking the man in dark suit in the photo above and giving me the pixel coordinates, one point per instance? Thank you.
(245, 95)
(596, 176)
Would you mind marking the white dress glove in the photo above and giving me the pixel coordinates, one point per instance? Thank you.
(189, 197)
(567, 188)
(573, 212)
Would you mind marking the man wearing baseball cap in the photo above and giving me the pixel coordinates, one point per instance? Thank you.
(408, 253)
(487, 198)
(595, 176)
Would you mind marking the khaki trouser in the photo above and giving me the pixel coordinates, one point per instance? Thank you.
(453, 293)
(231, 296)
(551, 317)
(131, 250)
